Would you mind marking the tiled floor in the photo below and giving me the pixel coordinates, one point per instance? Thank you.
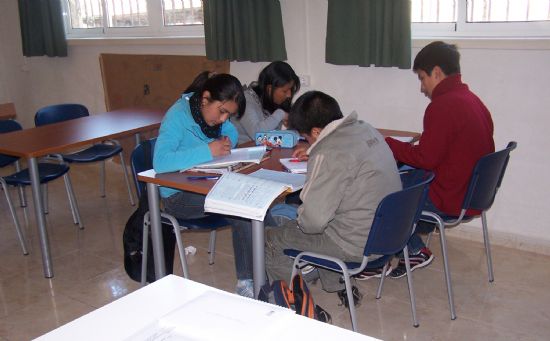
(89, 273)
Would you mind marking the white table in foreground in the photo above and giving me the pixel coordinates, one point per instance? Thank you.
(126, 318)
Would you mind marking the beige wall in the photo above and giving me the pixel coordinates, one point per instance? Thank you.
(511, 78)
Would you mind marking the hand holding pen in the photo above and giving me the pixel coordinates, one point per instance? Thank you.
(220, 147)
(300, 154)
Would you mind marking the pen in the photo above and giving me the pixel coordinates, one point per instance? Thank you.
(207, 177)
(294, 160)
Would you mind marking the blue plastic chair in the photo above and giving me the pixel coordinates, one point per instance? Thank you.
(392, 226)
(97, 152)
(483, 186)
(212, 222)
(5, 160)
(47, 172)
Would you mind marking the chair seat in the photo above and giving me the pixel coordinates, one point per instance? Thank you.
(47, 172)
(292, 253)
(448, 218)
(7, 160)
(95, 153)
(210, 222)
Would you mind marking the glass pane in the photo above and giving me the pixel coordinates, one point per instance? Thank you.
(86, 13)
(127, 13)
(433, 11)
(182, 12)
(508, 10)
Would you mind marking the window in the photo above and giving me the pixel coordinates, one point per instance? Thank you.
(115, 18)
(481, 18)
(431, 18)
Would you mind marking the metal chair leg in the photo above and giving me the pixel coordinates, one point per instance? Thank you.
(144, 248)
(102, 179)
(179, 243)
(18, 229)
(127, 179)
(429, 239)
(72, 201)
(21, 189)
(441, 227)
(487, 247)
(384, 270)
(212, 247)
(45, 198)
(410, 284)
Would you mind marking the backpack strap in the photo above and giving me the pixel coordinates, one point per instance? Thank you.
(302, 297)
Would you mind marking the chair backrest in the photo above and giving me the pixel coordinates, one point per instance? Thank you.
(487, 178)
(7, 126)
(140, 163)
(397, 215)
(58, 113)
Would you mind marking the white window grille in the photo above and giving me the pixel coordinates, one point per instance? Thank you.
(480, 18)
(146, 18)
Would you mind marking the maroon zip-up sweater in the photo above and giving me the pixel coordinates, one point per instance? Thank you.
(458, 131)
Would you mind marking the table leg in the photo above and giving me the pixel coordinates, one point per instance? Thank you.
(258, 255)
(156, 230)
(40, 219)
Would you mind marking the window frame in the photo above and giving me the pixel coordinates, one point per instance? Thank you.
(472, 30)
(461, 29)
(155, 29)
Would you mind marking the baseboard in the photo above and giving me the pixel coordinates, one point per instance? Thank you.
(515, 241)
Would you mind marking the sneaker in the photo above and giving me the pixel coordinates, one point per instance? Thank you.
(343, 296)
(245, 287)
(420, 260)
(372, 273)
(307, 269)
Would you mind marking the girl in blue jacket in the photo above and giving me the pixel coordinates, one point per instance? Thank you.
(196, 129)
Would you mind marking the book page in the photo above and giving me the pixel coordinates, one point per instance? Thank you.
(294, 181)
(242, 195)
(218, 316)
(402, 138)
(251, 154)
(294, 167)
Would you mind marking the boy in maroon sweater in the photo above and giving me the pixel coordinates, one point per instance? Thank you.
(458, 131)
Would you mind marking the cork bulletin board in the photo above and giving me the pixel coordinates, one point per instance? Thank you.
(150, 81)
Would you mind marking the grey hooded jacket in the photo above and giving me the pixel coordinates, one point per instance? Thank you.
(350, 170)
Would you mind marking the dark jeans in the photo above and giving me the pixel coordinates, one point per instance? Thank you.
(416, 243)
(187, 205)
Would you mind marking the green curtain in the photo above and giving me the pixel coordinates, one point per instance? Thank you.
(242, 30)
(42, 31)
(366, 32)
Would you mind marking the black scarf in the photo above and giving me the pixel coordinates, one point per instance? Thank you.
(195, 106)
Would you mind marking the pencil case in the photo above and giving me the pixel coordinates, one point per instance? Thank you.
(277, 138)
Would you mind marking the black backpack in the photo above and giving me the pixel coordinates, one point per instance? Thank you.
(132, 238)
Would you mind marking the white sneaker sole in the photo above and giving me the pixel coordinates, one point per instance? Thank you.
(366, 278)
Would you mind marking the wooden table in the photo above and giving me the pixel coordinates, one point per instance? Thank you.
(179, 181)
(54, 138)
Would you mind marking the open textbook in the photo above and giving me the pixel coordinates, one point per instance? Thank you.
(293, 181)
(243, 195)
(237, 156)
(294, 166)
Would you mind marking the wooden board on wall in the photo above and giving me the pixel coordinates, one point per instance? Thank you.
(150, 81)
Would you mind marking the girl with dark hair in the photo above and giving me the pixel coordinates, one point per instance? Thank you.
(194, 130)
(268, 100)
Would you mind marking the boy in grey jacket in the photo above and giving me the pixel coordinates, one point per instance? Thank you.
(350, 170)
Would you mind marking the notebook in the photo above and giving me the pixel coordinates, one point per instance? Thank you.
(294, 167)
